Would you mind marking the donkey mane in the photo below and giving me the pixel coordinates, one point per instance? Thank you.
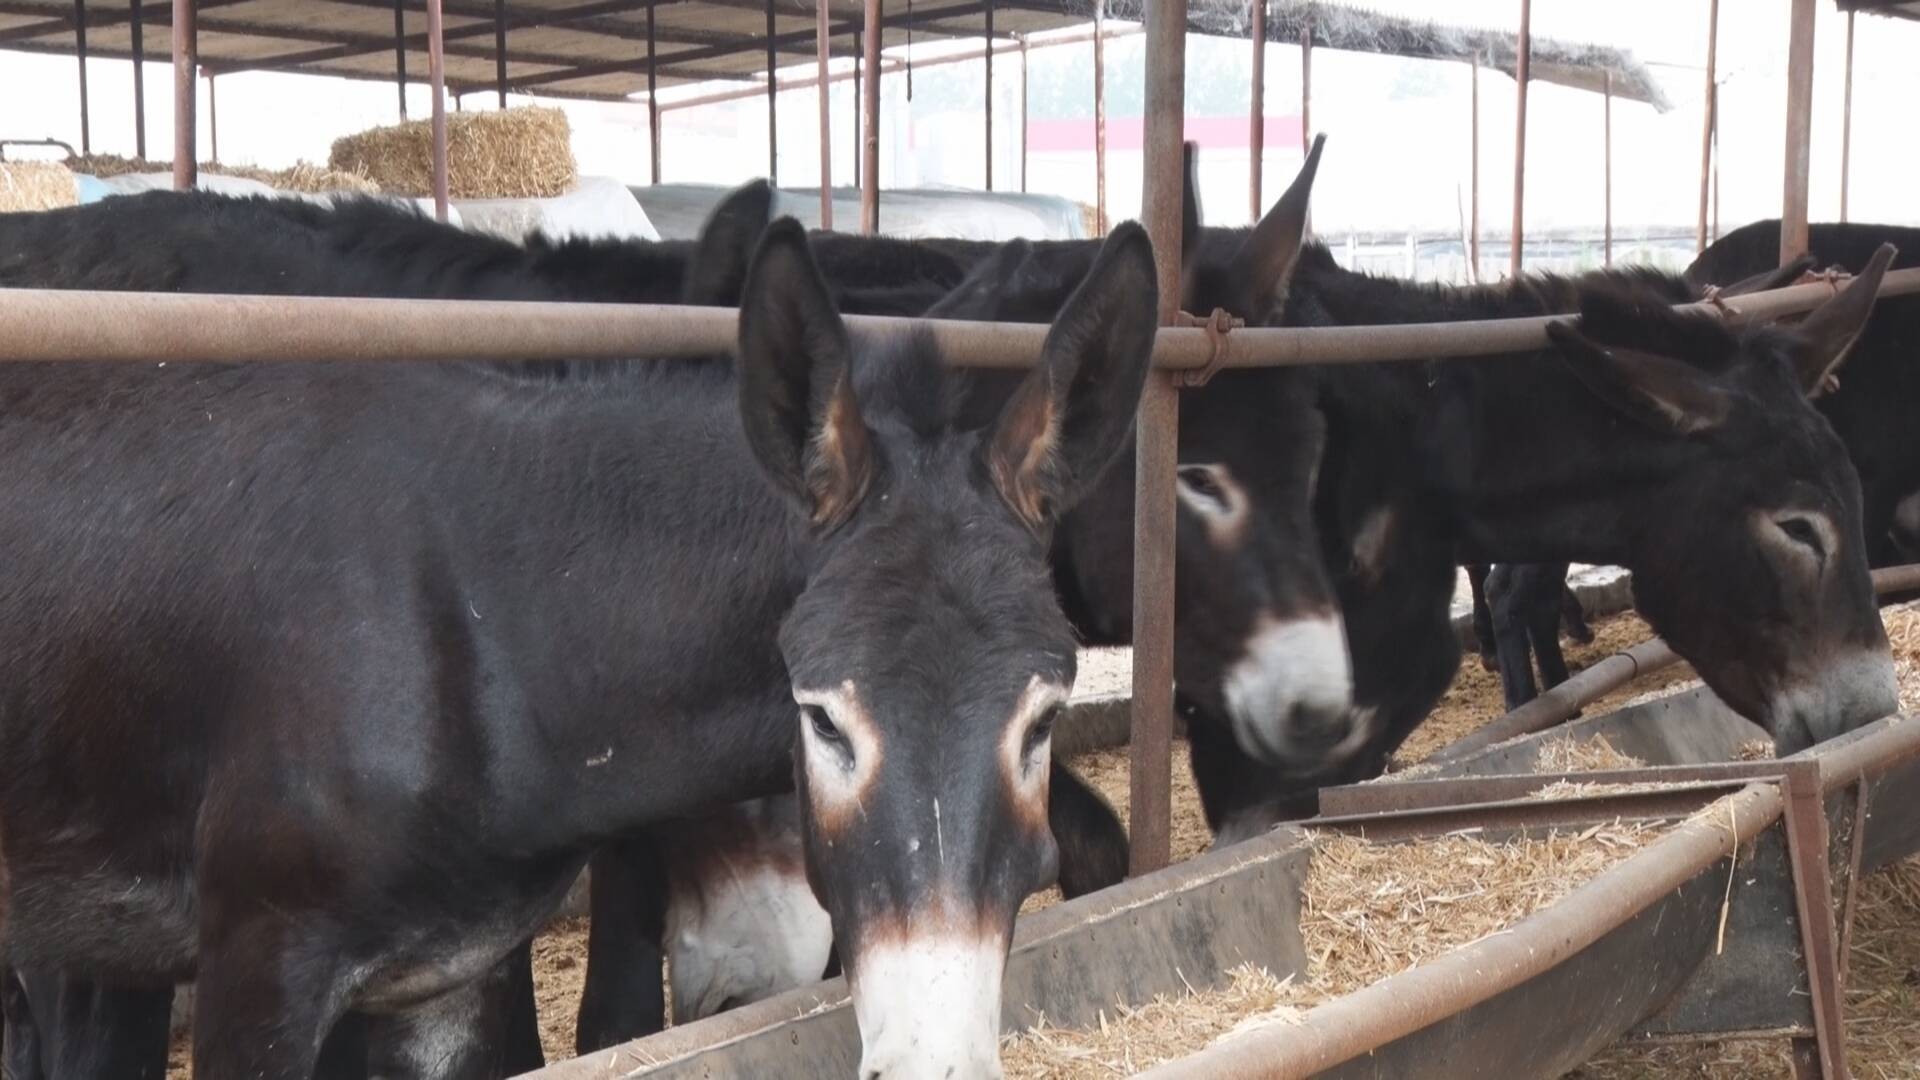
(903, 378)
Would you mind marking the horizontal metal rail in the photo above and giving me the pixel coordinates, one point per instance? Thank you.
(61, 325)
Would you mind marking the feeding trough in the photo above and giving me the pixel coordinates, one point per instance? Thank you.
(1674, 941)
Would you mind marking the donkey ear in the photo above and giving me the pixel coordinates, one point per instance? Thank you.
(1266, 260)
(1777, 278)
(1073, 412)
(980, 295)
(796, 390)
(1834, 326)
(1665, 394)
(717, 269)
(1189, 205)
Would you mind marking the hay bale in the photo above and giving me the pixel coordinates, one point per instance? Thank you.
(1569, 755)
(523, 153)
(36, 185)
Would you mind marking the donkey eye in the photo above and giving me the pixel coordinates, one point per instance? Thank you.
(823, 725)
(1200, 480)
(1041, 731)
(1801, 531)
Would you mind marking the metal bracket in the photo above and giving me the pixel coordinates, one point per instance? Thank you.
(1825, 1055)
(1217, 326)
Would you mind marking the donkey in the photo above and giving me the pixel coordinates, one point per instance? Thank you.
(327, 710)
(1580, 452)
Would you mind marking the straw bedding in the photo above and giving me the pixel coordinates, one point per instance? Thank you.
(523, 153)
(304, 176)
(1369, 911)
(35, 185)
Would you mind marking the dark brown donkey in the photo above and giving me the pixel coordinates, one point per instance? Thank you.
(325, 679)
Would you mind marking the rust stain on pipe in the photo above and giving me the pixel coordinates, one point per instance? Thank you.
(186, 56)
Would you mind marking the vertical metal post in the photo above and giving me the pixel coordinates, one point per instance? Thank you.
(1157, 441)
(1306, 90)
(870, 146)
(500, 50)
(1257, 112)
(820, 57)
(437, 78)
(773, 108)
(859, 95)
(1523, 63)
(80, 54)
(139, 83)
(1706, 122)
(1023, 115)
(1606, 138)
(1100, 115)
(186, 170)
(989, 95)
(1473, 204)
(400, 53)
(213, 120)
(653, 104)
(1793, 212)
(1846, 125)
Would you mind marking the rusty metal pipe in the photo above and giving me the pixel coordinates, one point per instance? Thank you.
(1558, 705)
(1846, 125)
(437, 78)
(988, 114)
(1023, 114)
(1257, 112)
(80, 57)
(1706, 121)
(500, 50)
(773, 103)
(1100, 116)
(870, 147)
(1157, 441)
(1351, 1026)
(653, 103)
(400, 53)
(1522, 72)
(1473, 198)
(1799, 156)
(61, 325)
(136, 27)
(822, 37)
(186, 51)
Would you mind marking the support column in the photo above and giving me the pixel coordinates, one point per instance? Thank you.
(500, 50)
(186, 171)
(870, 147)
(653, 104)
(989, 95)
(80, 55)
(139, 83)
(1793, 211)
(1606, 139)
(1257, 112)
(437, 78)
(1706, 122)
(1846, 126)
(400, 54)
(1158, 440)
(1100, 115)
(1522, 71)
(821, 33)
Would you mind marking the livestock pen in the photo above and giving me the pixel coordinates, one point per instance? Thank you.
(1812, 810)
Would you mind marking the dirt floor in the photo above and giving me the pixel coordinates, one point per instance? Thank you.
(1883, 996)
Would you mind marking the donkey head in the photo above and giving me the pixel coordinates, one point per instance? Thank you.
(927, 653)
(1263, 643)
(1745, 536)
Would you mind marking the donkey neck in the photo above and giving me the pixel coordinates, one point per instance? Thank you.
(624, 557)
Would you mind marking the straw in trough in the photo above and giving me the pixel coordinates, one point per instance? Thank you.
(1596, 754)
(36, 185)
(523, 153)
(303, 176)
(1369, 911)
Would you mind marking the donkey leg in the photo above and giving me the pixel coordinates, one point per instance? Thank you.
(1507, 596)
(61, 1027)
(269, 989)
(1548, 585)
(523, 1054)
(1482, 616)
(20, 1043)
(623, 998)
(459, 1035)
